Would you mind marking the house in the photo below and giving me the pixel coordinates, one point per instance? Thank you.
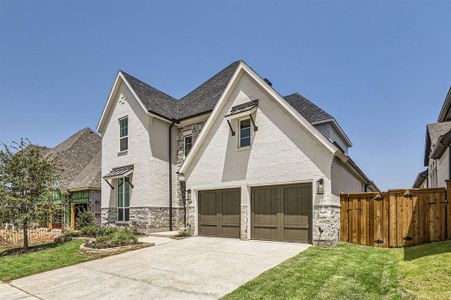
(436, 151)
(79, 184)
(232, 158)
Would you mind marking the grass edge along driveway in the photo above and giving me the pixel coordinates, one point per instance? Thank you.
(347, 271)
(17, 266)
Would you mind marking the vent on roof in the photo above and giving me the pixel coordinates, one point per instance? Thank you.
(267, 81)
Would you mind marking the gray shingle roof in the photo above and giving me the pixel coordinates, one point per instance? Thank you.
(90, 176)
(74, 155)
(433, 133)
(155, 100)
(307, 108)
(204, 98)
(436, 130)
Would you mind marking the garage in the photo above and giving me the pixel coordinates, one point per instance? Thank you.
(219, 213)
(282, 213)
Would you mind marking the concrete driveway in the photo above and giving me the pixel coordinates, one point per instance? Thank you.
(197, 267)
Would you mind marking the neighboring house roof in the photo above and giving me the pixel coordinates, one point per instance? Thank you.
(445, 111)
(89, 177)
(433, 133)
(79, 156)
(421, 177)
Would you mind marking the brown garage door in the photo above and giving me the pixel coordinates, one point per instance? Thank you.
(282, 213)
(219, 213)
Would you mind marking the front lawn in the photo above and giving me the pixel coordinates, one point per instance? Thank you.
(16, 266)
(349, 271)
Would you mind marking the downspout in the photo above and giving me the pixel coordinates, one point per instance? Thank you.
(170, 173)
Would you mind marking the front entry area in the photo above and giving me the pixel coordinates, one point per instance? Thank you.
(282, 213)
(219, 213)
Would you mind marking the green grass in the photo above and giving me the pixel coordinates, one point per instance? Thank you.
(349, 271)
(16, 266)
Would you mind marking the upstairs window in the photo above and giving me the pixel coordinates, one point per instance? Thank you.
(188, 142)
(123, 134)
(245, 133)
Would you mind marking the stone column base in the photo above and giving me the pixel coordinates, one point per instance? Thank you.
(326, 224)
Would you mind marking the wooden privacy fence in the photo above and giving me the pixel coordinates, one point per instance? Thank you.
(396, 218)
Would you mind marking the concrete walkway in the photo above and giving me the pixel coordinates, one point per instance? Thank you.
(193, 268)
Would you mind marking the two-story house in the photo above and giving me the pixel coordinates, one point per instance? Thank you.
(436, 150)
(233, 158)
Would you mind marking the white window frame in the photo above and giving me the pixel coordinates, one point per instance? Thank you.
(184, 144)
(123, 137)
(239, 133)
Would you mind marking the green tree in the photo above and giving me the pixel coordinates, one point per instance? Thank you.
(27, 177)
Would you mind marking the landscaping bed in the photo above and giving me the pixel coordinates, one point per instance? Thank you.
(67, 249)
(347, 271)
(61, 255)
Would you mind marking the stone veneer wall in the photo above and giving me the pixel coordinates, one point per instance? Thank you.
(326, 217)
(194, 130)
(146, 219)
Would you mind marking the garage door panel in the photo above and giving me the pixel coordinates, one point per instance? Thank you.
(297, 206)
(266, 206)
(265, 233)
(219, 213)
(230, 231)
(296, 235)
(282, 213)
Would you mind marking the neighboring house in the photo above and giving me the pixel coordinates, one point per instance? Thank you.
(79, 184)
(436, 151)
(232, 158)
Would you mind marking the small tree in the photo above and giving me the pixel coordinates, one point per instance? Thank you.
(26, 179)
(84, 218)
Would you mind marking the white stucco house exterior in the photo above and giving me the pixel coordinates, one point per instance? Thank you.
(232, 158)
(436, 152)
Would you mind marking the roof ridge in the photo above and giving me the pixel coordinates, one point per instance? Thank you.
(73, 138)
(147, 84)
(211, 78)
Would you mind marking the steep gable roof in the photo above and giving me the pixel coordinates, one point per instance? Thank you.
(204, 98)
(243, 68)
(90, 176)
(154, 100)
(75, 153)
(307, 108)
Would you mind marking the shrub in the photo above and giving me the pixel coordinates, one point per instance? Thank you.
(120, 237)
(183, 234)
(94, 230)
(62, 238)
(84, 218)
(70, 233)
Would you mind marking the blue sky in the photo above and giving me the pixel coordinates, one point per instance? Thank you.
(382, 68)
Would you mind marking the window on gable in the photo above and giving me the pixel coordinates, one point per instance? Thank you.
(188, 142)
(123, 134)
(245, 133)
